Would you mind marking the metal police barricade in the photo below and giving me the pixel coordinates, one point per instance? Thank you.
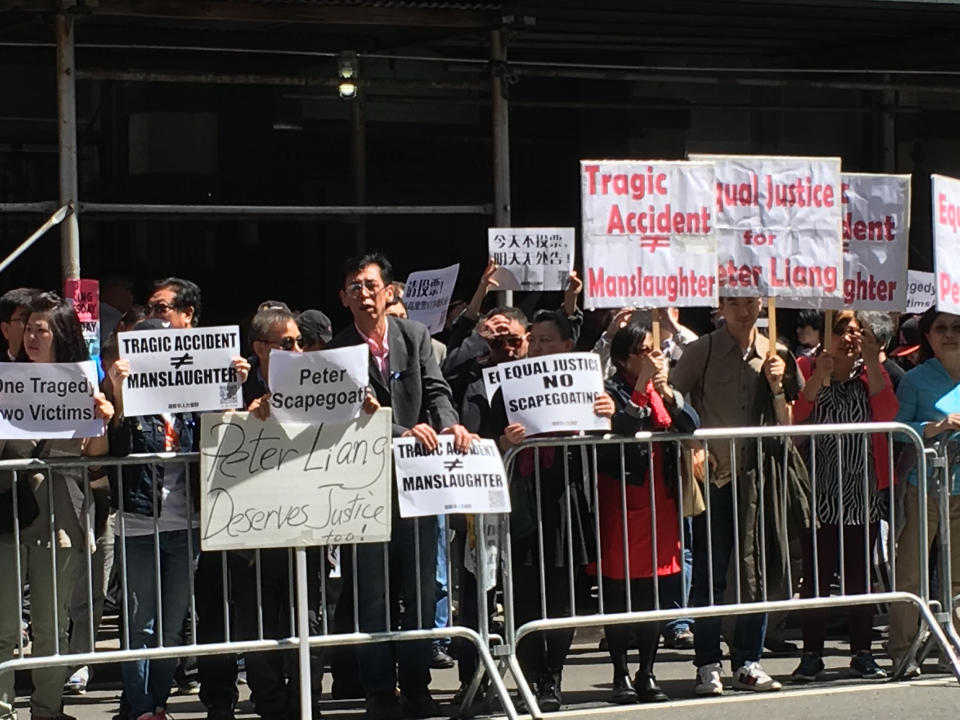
(943, 512)
(37, 547)
(565, 484)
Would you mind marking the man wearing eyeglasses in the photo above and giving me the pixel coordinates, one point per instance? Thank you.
(13, 317)
(404, 376)
(174, 301)
(272, 329)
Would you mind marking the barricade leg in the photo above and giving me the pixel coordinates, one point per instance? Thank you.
(303, 628)
(10, 617)
(218, 673)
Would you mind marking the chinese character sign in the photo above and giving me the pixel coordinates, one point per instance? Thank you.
(532, 258)
(778, 226)
(648, 233)
(427, 295)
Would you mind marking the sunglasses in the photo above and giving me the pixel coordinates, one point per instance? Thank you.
(159, 308)
(510, 341)
(287, 343)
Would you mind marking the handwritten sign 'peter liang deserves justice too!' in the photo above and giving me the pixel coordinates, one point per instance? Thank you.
(266, 484)
(187, 370)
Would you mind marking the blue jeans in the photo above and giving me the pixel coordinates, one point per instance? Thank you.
(442, 616)
(750, 629)
(146, 683)
(673, 627)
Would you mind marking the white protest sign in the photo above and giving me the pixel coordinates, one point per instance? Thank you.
(445, 481)
(264, 484)
(779, 226)
(921, 291)
(491, 381)
(490, 547)
(553, 392)
(946, 242)
(427, 295)
(187, 370)
(48, 400)
(648, 233)
(534, 258)
(321, 386)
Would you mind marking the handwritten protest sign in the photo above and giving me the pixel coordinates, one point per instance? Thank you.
(779, 226)
(648, 233)
(180, 370)
(921, 291)
(323, 386)
(266, 484)
(534, 258)
(554, 392)
(427, 295)
(445, 481)
(48, 400)
(491, 381)
(946, 242)
(85, 295)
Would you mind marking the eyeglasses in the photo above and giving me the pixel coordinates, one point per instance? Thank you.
(160, 308)
(511, 341)
(287, 343)
(371, 286)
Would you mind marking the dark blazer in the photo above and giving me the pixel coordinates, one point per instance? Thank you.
(415, 391)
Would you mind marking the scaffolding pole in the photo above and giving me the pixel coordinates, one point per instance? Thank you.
(67, 135)
(501, 138)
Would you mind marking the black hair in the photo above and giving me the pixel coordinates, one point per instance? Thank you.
(11, 300)
(628, 339)
(511, 313)
(924, 323)
(559, 320)
(811, 318)
(357, 263)
(265, 320)
(68, 342)
(186, 294)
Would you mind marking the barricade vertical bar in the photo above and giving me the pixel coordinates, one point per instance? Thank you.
(654, 565)
(735, 495)
(303, 634)
(813, 515)
(596, 521)
(840, 539)
(681, 518)
(123, 562)
(53, 565)
(386, 587)
(356, 600)
(867, 548)
(763, 521)
(224, 578)
(419, 570)
(892, 509)
(291, 591)
(259, 579)
(156, 553)
(566, 495)
(708, 511)
(625, 529)
(88, 557)
(16, 561)
(943, 509)
(323, 591)
(784, 515)
(541, 559)
(190, 555)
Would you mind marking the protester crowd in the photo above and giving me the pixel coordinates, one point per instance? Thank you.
(637, 556)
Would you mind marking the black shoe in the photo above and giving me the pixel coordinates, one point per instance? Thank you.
(780, 647)
(440, 660)
(548, 694)
(647, 689)
(421, 705)
(809, 670)
(384, 706)
(220, 714)
(623, 692)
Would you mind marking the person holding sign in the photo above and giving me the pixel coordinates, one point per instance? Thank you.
(644, 401)
(733, 379)
(542, 658)
(53, 544)
(405, 377)
(845, 384)
(929, 397)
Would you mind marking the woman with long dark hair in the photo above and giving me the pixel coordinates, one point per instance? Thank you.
(53, 334)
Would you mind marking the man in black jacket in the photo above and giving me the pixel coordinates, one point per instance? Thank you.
(405, 377)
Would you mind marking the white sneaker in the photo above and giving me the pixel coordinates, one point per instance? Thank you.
(77, 683)
(708, 680)
(751, 676)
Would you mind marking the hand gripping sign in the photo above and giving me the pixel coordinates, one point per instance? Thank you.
(946, 242)
(444, 481)
(648, 235)
(267, 484)
(778, 226)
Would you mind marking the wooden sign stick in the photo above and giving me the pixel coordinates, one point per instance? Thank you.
(772, 325)
(655, 327)
(827, 338)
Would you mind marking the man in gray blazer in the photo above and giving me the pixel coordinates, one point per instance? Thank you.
(404, 376)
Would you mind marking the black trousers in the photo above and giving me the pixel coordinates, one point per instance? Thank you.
(382, 666)
(644, 636)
